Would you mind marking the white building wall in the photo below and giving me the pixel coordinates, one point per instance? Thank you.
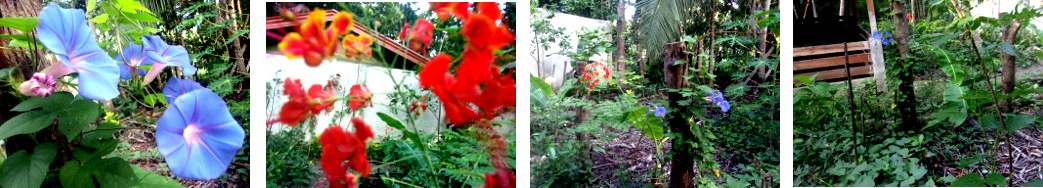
(556, 65)
(375, 77)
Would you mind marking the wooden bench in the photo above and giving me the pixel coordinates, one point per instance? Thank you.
(828, 61)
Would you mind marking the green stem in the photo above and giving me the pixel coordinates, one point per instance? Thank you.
(398, 181)
(396, 161)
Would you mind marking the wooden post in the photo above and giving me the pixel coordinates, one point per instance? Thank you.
(876, 51)
(907, 95)
(681, 171)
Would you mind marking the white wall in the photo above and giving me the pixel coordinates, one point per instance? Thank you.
(560, 64)
(993, 8)
(375, 77)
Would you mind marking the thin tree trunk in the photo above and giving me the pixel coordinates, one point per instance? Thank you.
(620, 49)
(1009, 69)
(683, 160)
(907, 96)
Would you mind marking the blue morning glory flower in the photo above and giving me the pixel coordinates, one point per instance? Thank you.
(198, 136)
(166, 55)
(660, 111)
(134, 55)
(177, 87)
(65, 32)
(718, 99)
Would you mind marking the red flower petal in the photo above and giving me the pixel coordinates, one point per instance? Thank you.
(443, 9)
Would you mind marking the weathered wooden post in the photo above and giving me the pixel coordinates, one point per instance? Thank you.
(681, 170)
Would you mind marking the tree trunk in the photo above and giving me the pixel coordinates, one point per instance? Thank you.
(683, 161)
(8, 58)
(907, 97)
(1009, 69)
(620, 49)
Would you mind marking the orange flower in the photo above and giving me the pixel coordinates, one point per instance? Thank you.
(357, 46)
(443, 9)
(419, 37)
(313, 40)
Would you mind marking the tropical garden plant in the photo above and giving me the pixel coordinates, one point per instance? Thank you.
(78, 102)
(471, 92)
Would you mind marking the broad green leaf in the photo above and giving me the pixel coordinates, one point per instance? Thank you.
(989, 122)
(391, 121)
(1008, 49)
(56, 102)
(949, 65)
(680, 62)
(969, 180)
(113, 172)
(91, 4)
(28, 122)
(27, 170)
(1035, 182)
(100, 18)
(1017, 122)
(153, 180)
(971, 160)
(144, 17)
(995, 179)
(6, 72)
(77, 116)
(73, 175)
(23, 24)
(130, 6)
(542, 85)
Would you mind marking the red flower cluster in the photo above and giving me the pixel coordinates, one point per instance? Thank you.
(478, 81)
(418, 38)
(303, 104)
(360, 97)
(502, 178)
(592, 71)
(314, 41)
(339, 146)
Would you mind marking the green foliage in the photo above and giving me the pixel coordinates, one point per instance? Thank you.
(290, 158)
(454, 159)
(597, 9)
(23, 169)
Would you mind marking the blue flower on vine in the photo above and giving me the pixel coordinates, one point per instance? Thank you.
(133, 56)
(880, 36)
(164, 55)
(717, 98)
(657, 110)
(197, 135)
(65, 32)
(176, 87)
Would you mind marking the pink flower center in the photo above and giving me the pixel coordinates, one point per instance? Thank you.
(192, 134)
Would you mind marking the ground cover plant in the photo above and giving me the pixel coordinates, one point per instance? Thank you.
(959, 108)
(97, 94)
(468, 86)
(694, 105)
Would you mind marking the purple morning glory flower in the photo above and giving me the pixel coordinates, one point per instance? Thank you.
(133, 56)
(718, 99)
(198, 136)
(166, 55)
(65, 32)
(650, 109)
(177, 87)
